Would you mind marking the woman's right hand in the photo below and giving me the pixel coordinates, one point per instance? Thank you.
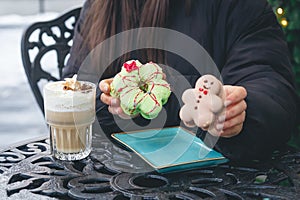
(113, 103)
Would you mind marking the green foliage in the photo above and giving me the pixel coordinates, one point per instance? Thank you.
(291, 13)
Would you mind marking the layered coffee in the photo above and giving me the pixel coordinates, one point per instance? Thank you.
(70, 129)
(70, 112)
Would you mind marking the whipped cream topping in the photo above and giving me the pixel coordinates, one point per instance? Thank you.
(72, 83)
(69, 95)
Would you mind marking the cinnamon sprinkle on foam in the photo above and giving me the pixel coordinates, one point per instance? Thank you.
(71, 84)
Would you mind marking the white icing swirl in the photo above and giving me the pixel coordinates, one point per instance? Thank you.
(58, 99)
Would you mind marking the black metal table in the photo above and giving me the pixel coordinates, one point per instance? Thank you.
(28, 171)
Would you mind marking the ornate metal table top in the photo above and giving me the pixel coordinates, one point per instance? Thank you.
(28, 171)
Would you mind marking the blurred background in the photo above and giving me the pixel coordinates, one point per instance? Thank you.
(34, 7)
(20, 116)
(288, 15)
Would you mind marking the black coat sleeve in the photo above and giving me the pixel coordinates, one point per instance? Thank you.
(258, 59)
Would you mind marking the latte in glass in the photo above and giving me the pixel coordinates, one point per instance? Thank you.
(70, 112)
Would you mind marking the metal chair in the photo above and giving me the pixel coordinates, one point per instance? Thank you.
(59, 33)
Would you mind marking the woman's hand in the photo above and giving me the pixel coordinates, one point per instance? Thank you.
(231, 123)
(113, 103)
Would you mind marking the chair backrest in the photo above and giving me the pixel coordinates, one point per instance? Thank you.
(59, 33)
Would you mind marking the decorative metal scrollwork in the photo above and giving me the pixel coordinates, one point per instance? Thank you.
(41, 39)
(30, 171)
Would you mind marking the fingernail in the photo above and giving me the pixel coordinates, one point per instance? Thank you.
(221, 118)
(227, 103)
(113, 102)
(119, 111)
(105, 87)
(219, 126)
(221, 133)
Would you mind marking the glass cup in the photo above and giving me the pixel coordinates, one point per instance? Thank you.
(70, 115)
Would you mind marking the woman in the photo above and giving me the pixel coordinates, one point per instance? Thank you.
(244, 40)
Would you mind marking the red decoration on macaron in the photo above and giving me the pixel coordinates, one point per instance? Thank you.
(130, 67)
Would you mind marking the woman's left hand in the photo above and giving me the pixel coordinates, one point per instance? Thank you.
(231, 123)
(113, 103)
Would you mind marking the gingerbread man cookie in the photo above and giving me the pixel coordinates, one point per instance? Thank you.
(203, 103)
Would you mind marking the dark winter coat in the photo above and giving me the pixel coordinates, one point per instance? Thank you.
(247, 45)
